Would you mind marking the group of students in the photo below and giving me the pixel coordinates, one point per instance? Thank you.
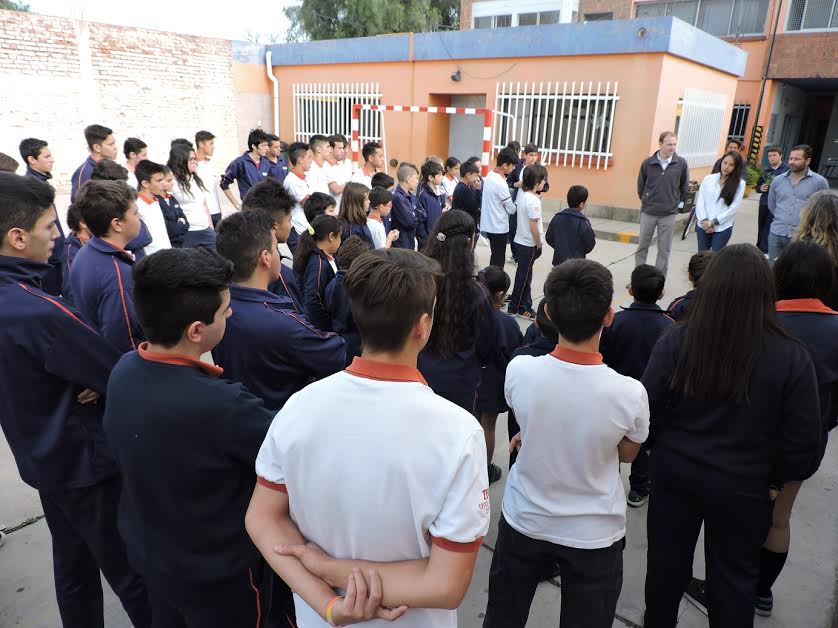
(145, 457)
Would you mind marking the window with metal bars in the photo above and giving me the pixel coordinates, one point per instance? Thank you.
(739, 122)
(326, 109)
(717, 17)
(812, 14)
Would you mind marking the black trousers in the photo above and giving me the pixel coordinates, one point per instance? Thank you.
(639, 476)
(736, 514)
(521, 298)
(497, 246)
(764, 220)
(591, 581)
(234, 601)
(513, 229)
(85, 539)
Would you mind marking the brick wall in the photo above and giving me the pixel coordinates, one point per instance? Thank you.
(59, 75)
(805, 55)
(620, 8)
(465, 15)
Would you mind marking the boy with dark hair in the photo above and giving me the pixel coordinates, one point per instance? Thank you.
(496, 205)
(318, 204)
(53, 370)
(564, 498)
(383, 180)
(404, 215)
(296, 184)
(277, 166)
(248, 168)
(274, 352)
(373, 155)
(176, 223)
(135, 151)
(338, 303)
(188, 543)
(626, 347)
(101, 280)
(338, 169)
(467, 194)
(271, 197)
(775, 167)
(8, 163)
(204, 150)
(430, 508)
(570, 232)
(150, 177)
(39, 161)
(102, 145)
(320, 151)
(381, 204)
(428, 202)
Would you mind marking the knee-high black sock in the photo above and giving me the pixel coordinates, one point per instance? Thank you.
(770, 566)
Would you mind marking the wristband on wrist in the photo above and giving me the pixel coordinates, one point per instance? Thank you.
(329, 608)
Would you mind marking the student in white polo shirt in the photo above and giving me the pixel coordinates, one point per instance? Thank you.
(150, 177)
(316, 175)
(497, 205)
(418, 512)
(296, 183)
(564, 500)
(338, 169)
(373, 154)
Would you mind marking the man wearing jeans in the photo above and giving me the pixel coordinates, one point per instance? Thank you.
(662, 186)
(787, 195)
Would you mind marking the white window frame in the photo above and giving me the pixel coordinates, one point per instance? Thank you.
(330, 110)
(698, 11)
(811, 30)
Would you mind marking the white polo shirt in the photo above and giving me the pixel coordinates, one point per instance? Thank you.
(565, 487)
(299, 189)
(529, 208)
(383, 482)
(340, 173)
(194, 205)
(497, 204)
(316, 179)
(377, 231)
(210, 179)
(152, 215)
(448, 184)
(362, 177)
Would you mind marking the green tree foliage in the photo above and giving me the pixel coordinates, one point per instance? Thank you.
(11, 5)
(337, 19)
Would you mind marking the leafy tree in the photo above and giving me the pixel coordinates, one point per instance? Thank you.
(337, 19)
(11, 5)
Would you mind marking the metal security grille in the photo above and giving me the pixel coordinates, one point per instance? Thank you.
(739, 122)
(326, 109)
(700, 125)
(811, 14)
(571, 122)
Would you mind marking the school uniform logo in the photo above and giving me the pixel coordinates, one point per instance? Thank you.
(484, 505)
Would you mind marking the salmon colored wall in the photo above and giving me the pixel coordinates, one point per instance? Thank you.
(649, 87)
(250, 77)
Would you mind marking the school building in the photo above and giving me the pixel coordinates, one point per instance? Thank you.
(789, 89)
(593, 96)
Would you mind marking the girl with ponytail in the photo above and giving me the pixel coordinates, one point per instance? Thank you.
(314, 264)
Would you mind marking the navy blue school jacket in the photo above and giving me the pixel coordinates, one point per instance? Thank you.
(467, 199)
(278, 170)
(457, 377)
(404, 218)
(313, 283)
(571, 235)
(816, 325)
(186, 455)
(680, 307)
(80, 177)
(72, 245)
(627, 344)
(490, 394)
(176, 223)
(287, 288)
(431, 206)
(49, 356)
(245, 173)
(362, 231)
(274, 352)
(102, 286)
(342, 322)
(138, 244)
(53, 281)
(774, 437)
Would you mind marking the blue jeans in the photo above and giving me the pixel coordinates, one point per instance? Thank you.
(712, 241)
(776, 244)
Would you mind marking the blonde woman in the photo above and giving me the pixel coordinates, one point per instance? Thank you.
(819, 223)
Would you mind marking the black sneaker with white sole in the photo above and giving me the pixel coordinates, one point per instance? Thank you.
(636, 499)
(696, 594)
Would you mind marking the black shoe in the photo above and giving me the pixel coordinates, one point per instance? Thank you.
(764, 605)
(636, 499)
(696, 594)
(494, 473)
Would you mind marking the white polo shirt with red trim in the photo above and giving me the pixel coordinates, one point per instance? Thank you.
(300, 190)
(377, 467)
(573, 410)
(152, 215)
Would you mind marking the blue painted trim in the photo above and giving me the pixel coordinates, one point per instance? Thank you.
(645, 35)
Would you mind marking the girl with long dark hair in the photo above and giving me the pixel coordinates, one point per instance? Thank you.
(462, 340)
(314, 264)
(718, 200)
(354, 203)
(190, 193)
(734, 416)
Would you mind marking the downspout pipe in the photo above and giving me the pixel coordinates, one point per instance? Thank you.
(269, 70)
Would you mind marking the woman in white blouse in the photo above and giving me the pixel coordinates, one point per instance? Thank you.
(190, 192)
(718, 199)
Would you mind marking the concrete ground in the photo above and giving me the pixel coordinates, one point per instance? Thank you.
(804, 595)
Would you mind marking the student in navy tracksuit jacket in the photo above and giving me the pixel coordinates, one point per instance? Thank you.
(464, 335)
(249, 168)
(570, 232)
(101, 280)
(176, 223)
(491, 400)
(53, 282)
(77, 238)
(466, 197)
(187, 452)
(429, 204)
(53, 371)
(337, 301)
(403, 216)
(626, 346)
(102, 145)
(803, 277)
(315, 265)
(680, 307)
(274, 352)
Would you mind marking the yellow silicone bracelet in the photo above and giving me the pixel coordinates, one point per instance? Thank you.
(329, 608)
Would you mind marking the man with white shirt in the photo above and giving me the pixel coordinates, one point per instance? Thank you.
(299, 154)
(205, 147)
(338, 168)
(320, 151)
(496, 206)
(135, 151)
(373, 155)
(150, 178)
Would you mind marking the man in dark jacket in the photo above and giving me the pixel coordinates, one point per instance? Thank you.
(53, 369)
(662, 186)
(775, 168)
